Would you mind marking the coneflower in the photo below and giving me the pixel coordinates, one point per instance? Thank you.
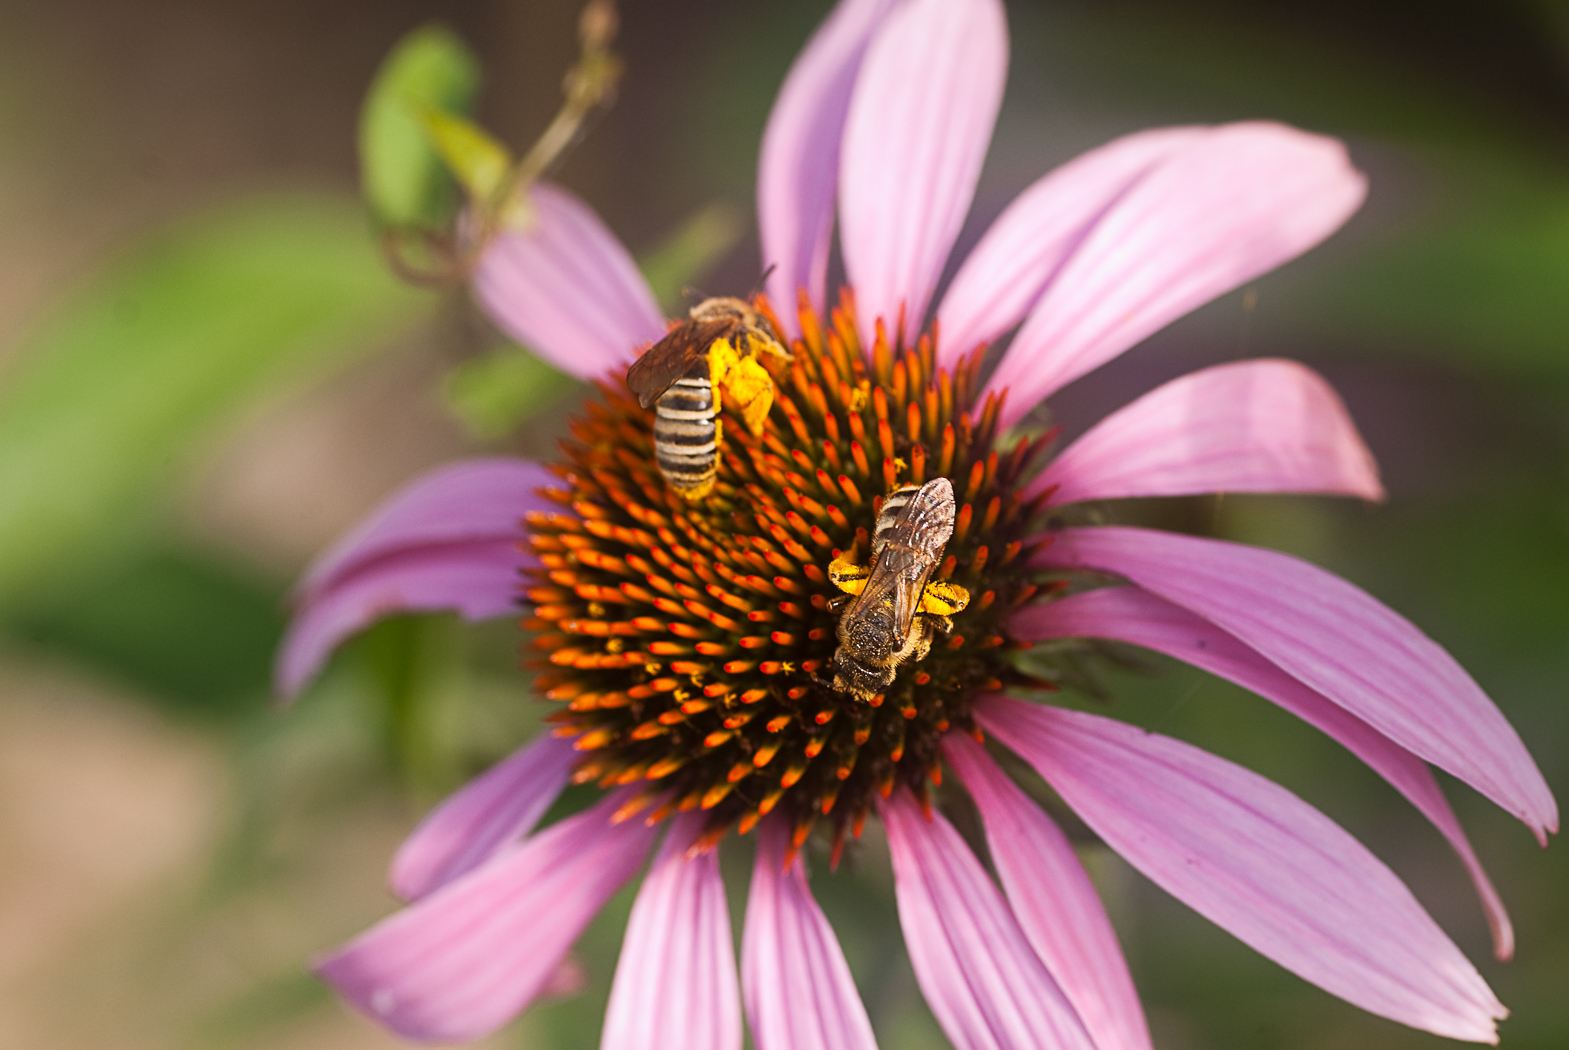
(689, 644)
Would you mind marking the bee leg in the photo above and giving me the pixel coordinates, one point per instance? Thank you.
(699, 491)
(943, 625)
(944, 599)
(847, 576)
(921, 639)
(722, 357)
(777, 349)
(838, 601)
(751, 391)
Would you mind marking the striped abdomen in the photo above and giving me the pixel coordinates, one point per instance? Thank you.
(890, 510)
(918, 518)
(686, 433)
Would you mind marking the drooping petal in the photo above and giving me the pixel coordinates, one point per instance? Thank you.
(463, 502)
(675, 986)
(447, 540)
(798, 170)
(1132, 614)
(1234, 203)
(1338, 641)
(463, 961)
(479, 581)
(1256, 860)
(978, 973)
(920, 118)
(1054, 901)
(566, 288)
(799, 993)
(1021, 252)
(1248, 426)
(485, 816)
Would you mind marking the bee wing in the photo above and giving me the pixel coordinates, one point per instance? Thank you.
(924, 523)
(929, 516)
(672, 357)
(897, 580)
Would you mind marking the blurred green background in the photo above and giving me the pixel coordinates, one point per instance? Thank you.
(206, 374)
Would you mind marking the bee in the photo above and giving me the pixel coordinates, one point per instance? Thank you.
(715, 348)
(894, 609)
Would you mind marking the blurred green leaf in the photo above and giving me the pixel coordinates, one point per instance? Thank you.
(404, 180)
(104, 396)
(494, 393)
(414, 667)
(478, 161)
(691, 252)
(185, 630)
(1488, 289)
(269, 1004)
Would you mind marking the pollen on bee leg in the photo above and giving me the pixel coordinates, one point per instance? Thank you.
(750, 389)
(944, 599)
(702, 488)
(722, 357)
(848, 576)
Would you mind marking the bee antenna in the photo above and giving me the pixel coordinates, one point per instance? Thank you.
(757, 289)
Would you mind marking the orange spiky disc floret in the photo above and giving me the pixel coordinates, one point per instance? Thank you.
(689, 643)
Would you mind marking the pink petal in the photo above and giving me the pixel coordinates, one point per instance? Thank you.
(1234, 203)
(477, 580)
(566, 288)
(1256, 860)
(1338, 641)
(472, 500)
(1132, 614)
(447, 540)
(489, 813)
(799, 993)
(978, 972)
(1054, 901)
(463, 961)
(675, 986)
(1250, 426)
(920, 119)
(1006, 272)
(798, 170)
(566, 980)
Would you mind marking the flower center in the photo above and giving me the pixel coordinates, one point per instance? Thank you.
(692, 643)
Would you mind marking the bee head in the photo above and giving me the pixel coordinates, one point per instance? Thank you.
(853, 677)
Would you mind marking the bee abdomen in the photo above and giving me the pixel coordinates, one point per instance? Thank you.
(686, 433)
(891, 507)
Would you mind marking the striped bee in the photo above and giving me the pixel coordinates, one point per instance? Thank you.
(894, 610)
(715, 348)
